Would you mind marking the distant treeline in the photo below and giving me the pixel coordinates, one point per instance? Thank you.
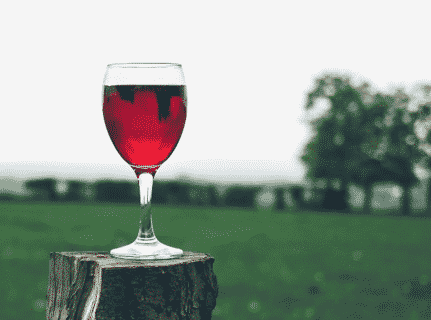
(293, 197)
(166, 193)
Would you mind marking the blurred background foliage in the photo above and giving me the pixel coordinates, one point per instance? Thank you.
(362, 140)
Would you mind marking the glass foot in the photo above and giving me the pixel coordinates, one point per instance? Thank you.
(154, 250)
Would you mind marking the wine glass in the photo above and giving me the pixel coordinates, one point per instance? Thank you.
(144, 107)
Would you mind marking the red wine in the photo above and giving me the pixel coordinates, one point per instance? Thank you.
(145, 123)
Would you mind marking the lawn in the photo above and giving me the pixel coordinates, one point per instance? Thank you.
(298, 265)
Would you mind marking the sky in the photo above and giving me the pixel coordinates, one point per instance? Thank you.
(248, 66)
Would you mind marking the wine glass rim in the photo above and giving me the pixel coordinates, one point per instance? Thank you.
(143, 65)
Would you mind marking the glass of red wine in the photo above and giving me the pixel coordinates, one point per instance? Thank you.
(144, 107)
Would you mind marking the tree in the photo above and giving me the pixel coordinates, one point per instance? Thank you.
(239, 196)
(422, 127)
(117, 191)
(177, 192)
(159, 193)
(332, 152)
(335, 200)
(363, 139)
(397, 151)
(279, 199)
(214, 196)
(297, 197)
(75, 191)
(43, 189)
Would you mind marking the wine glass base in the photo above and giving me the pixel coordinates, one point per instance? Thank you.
(154, 250)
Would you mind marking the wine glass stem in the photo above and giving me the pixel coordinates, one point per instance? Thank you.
(146, 232)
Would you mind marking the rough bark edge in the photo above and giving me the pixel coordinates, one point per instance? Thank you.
(86, 288)
(65, 297)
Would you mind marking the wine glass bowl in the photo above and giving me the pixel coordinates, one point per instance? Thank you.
(144, 108)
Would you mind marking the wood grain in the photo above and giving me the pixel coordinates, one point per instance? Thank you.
(95, 285)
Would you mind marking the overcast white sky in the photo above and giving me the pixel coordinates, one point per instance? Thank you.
(247, 64)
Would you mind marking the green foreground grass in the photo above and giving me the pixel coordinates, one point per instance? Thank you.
(297, 265)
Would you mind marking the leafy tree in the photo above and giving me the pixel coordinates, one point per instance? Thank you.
(297, 193)
(279, 199)
(159, 194)
(75, 191)
(239, 196)
(214, 196)
(116, 191)
(422, 127)
(177, 192)
(335, 200)
(203, 195)
(43, 189)
(393, 148)
(333, 151)
(363, 139)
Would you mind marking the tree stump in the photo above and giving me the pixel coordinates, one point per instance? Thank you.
(95, 285)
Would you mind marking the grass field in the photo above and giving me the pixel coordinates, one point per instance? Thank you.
(268, 265)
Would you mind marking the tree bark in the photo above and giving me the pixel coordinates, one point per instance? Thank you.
(95, 285)
(405, 202)
(427, 210)
(368, 209)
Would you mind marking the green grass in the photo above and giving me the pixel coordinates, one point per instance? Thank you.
(268, 265)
